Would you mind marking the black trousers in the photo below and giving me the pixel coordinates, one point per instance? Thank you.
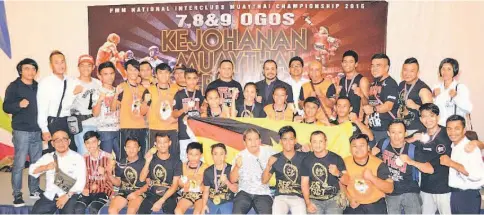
(379, 207)
(151, 198)
(93, 203)
(243, 202)
(172, 134)
(465, 201)
(46, 206)
(139, 134)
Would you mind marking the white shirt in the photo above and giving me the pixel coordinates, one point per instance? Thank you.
(250, 174)
(80, 105)
(49, 95)
(107, 120)
(296, 90)
(446, 104)
(473, 164)
(72, 164)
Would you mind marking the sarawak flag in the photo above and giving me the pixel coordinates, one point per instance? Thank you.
(209, 131)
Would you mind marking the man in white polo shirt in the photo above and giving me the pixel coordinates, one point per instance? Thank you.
(247, 170)
(466, 172)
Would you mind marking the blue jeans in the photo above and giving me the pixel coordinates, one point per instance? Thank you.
(24, 143)
(329, 206)
(110, 142)
(225, 208)
(79, 138)
(410, 203)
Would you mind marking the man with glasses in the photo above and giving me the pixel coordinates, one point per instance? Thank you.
(296, 80)
(65, 177)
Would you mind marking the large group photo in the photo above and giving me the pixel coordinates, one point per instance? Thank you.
(237, 107)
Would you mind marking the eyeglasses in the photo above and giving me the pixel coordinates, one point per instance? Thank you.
(61, 140)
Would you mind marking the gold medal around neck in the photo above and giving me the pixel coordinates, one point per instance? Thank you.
(216, 200)
(153, 150)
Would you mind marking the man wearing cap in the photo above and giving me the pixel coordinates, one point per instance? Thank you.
(54, 100)
(85, 91)
(21, 102)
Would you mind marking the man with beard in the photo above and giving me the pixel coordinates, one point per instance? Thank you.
(353, 85)
(59, 194)
(381, 109)
(266, 87)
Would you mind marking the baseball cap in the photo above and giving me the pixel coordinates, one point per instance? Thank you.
(85, 59)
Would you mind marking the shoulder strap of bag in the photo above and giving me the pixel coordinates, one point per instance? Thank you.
(62, 98)
(385, 144)
(455, 105)
(56, 163)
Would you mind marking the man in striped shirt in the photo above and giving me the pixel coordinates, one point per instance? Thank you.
(98, 187)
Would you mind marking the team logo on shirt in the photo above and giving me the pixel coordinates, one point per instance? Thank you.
(291, 173)
(440, 149)
(160, 174)
(131, 178)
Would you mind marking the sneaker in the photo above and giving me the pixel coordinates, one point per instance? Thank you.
(18, 201)
(36, 194)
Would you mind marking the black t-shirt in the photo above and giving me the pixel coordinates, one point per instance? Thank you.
(257, 110)
(412, 119)
(193, 103)
(347, 90)
(387, 90)
(224, 89)
(322, 185)
(438, 182)
(355, 128)
(402, 176)
(266, 91)
(162, 173)
(222, 192)
(288, 175)
(129, 174)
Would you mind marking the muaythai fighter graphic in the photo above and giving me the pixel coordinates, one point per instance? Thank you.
(325, 46)
(153, 58)
(109, 52)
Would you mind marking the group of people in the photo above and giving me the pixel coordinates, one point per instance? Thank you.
(129, 145)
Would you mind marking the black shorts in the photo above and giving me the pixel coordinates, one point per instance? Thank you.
(192, 196)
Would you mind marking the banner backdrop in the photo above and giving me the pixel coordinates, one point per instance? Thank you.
(202, 34)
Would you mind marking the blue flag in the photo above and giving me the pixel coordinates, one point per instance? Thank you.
(4, 36)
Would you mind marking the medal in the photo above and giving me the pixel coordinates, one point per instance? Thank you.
(425, 138)
(153, 150)
(399, 161)
(216, 200)
(191, 103)
(94, 187)
(100, 170)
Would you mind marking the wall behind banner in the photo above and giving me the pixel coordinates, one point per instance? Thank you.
(429, 31)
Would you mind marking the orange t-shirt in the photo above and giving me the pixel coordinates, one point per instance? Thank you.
(130, 107)
(162, 102)
(360, 189)
(286, 115)
(324, 88)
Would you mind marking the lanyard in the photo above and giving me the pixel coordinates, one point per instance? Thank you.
(276, 112)
(188, 96)
(348, 88)
(401, 149)
(407, 92)
(435, 135)
(215, 176)
(135, 95)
